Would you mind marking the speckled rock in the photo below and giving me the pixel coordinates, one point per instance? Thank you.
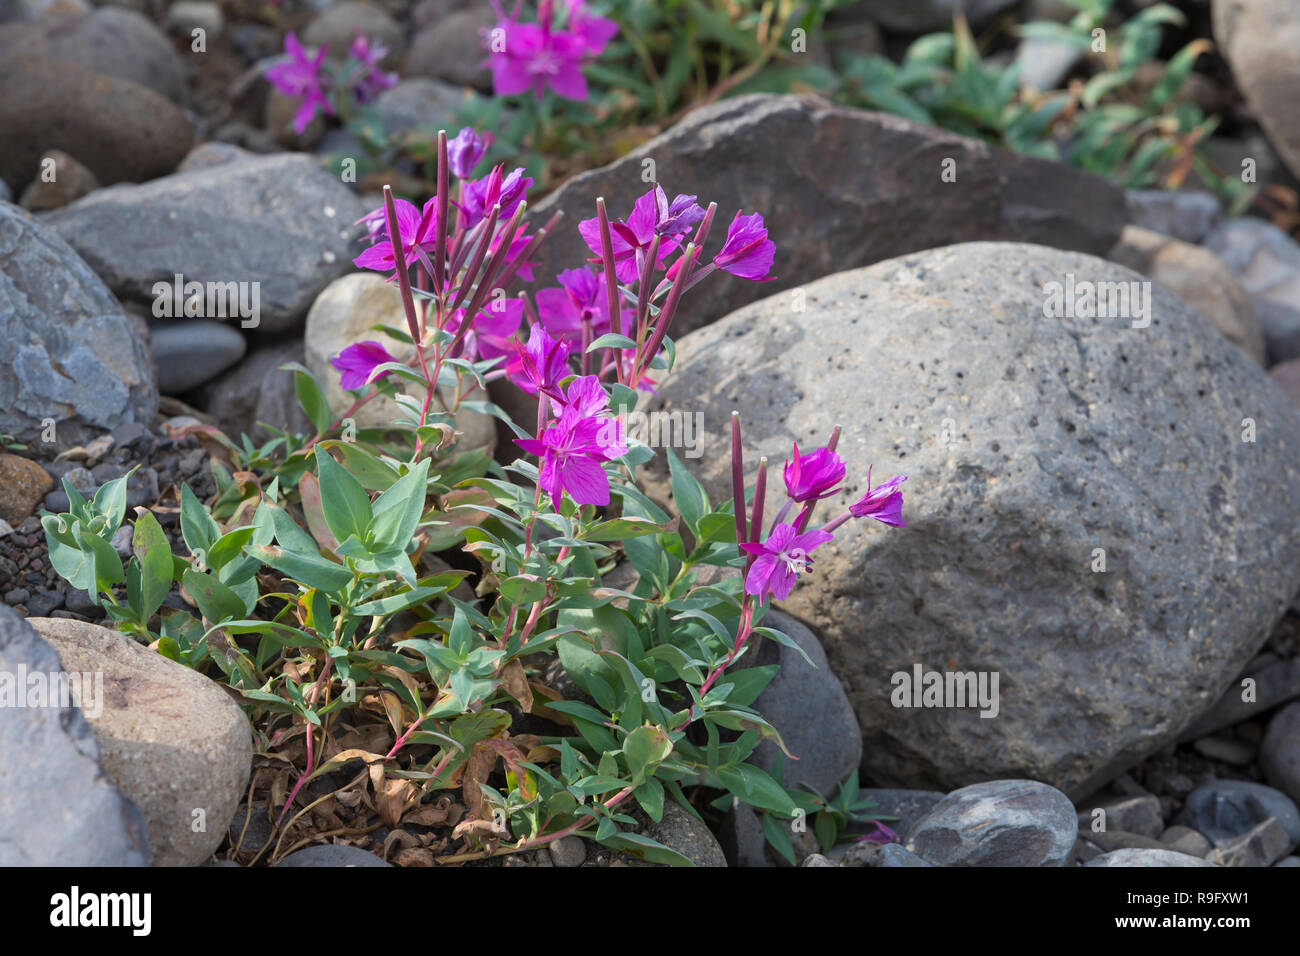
(23, 483)
(171, 739)
(71, 353)
(57, 807)
(1135, 857)
(1030, 443)
(196, 224)
(998, 823)
(680, 831)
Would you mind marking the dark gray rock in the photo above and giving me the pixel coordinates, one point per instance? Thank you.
(1187, 215)
(895, 855)
(71, 353)
(1266, 262)
(421, 103)
(197, 225)
(998, 823)
(681, 831)
(1030, 444)
(907, 805)
(1186, 840)
(117, 129)
(109, 40)
(1135, 857)
(838, 188)
(451, 47)
(331, 854)
(1226, 809)
(189, 352)
(1271, 682)
(57, 807)
(1137, 814)
(568, 851)
(1279, 752)
(1263, 845)
(257, 390)
(809, 708)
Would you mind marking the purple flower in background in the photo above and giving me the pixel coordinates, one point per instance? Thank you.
(537, 57)
(479, 195)
(884, 502)
(540, 364)
(631, 240)
(581, 298)
(372, 81)
(466, 151)
(781, 559)
(882, 834)
(573, 447)
(747, 251)
(299, 78)
(357, 363)
(813, 477)
(417, 232)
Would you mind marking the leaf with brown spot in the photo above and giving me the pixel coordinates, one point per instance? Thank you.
(515, 681)
(314, 511)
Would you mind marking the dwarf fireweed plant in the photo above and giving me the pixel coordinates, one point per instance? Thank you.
(321, 87)
(311, 580)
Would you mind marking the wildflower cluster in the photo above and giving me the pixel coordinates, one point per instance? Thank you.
(548, 54)
(322, 89)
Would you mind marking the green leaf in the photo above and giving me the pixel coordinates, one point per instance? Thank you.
(397, 511)
(644, 848)
(313, 402)
(688, 494)
(778, 835)
(756, 788)
(345, 503)
(643, 750)
(308, 568)
(620, 529)
(374, 474)
(611, 340)
(197, 527)
(110, 501)
(216, 601)
(153, 551)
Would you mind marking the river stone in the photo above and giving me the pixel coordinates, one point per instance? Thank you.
(57, 807)
(1189, 215)
(23, 483)
(72, 354)
(280, 221)
(1137, 857)
(342, 315)
(189, 352)
(838, 188)
(1261, 41)
(109, 40)
(257, 390)
(681, 831)
(1280, 751)
(1224, 810)
(1266, 261)
(1029, 443)
(117, 129)
(338, 25)
(171, 739)
(808, 707)
(1198, 277)
(997, 823)
(332, 854)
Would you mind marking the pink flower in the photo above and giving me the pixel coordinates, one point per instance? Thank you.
(466, 151)
(747, 252)
(781, 559)
(813, 477)
(479, 195)
(581, 298)
(539, 58)
(299, 78)
(574, 446)
(884, 502)
(630, 240)
(517, 246)
(594, 31)
(417, 233)
(540, 365)
(372, 80)
(358, 362)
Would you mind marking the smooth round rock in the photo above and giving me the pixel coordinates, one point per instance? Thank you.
(189, 352)
(171, 739)
(1226, 809)
(1279, 753)
(998, 823)
(1135, 857)
(331, 855)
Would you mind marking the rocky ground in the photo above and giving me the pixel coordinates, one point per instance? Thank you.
(1150, 709)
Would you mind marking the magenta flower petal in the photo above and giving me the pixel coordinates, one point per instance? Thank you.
(357, 363)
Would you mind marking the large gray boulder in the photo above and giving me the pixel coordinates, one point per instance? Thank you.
(839, 188)
(71, 353)
(1040, 451)
(57, 807)
(280, 221)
